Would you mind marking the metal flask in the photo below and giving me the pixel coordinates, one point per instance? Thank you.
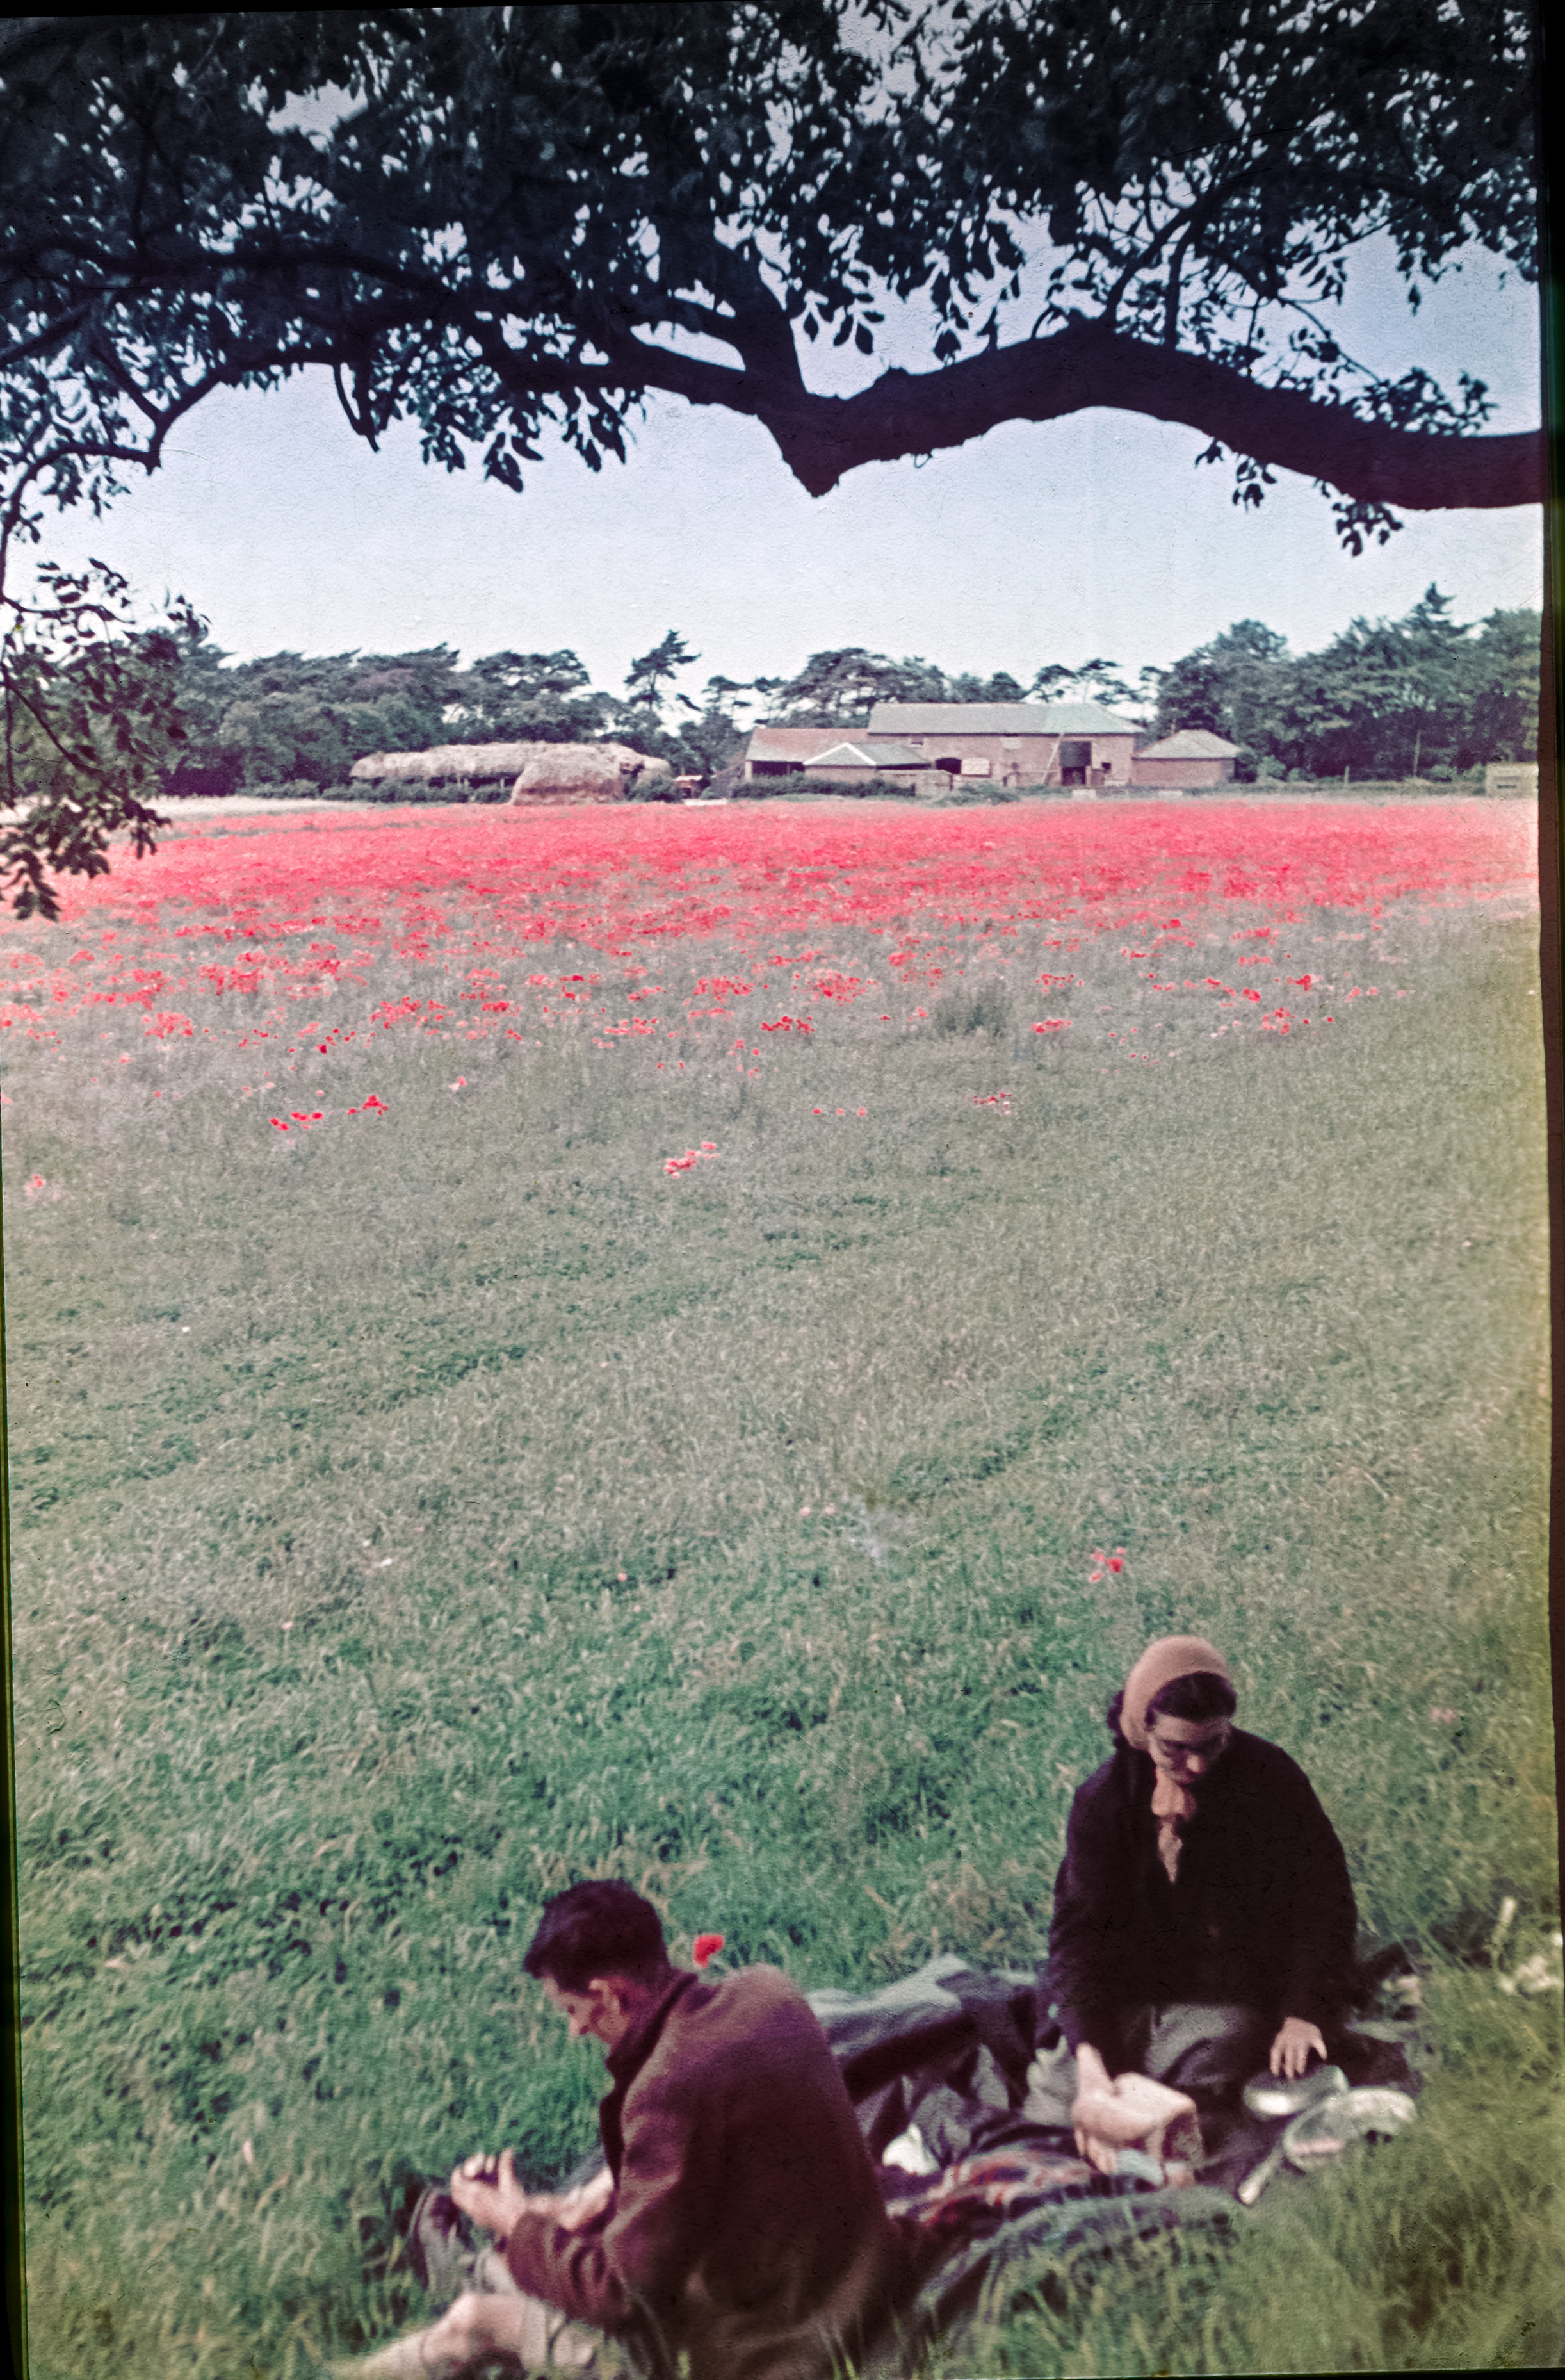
(1326, 2127)
(1280, 2094)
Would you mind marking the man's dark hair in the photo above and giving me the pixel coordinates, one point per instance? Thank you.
(1200, 1695)
(597, 1928)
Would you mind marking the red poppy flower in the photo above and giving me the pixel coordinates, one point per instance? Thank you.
(705, 1946)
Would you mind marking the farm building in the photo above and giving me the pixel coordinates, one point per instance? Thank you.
(1192, 756)
(1071, 744)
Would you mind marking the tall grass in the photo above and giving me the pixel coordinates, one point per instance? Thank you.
(413, 1513)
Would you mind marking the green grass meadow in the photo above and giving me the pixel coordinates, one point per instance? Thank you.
(412, 1515)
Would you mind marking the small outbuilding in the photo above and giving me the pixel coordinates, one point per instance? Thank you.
(1506, 779)
(858, 759)
(790, 751)
(1190, 757)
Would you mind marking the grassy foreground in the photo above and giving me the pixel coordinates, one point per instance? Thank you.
(409, 1519)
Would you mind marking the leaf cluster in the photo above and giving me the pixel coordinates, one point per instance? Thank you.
(506, 205)
(1196, 166)
(498, 223)
(92, 720)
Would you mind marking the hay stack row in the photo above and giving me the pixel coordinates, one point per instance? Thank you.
(540, 773)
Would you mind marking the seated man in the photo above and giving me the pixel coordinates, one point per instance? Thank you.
(739, 2221)
(1203, 1921)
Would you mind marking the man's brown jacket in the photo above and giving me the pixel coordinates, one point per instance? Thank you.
(747, 2229)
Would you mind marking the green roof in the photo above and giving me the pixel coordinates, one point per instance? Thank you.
(998, 718)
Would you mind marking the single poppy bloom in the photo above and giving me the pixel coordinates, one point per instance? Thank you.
(705, 1946)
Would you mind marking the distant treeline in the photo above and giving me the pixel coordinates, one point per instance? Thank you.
(1424, 695)
(1417, 696)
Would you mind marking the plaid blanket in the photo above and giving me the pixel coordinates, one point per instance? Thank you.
(981, 2193)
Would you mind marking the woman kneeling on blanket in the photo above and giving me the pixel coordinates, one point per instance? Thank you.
(1203, 1923)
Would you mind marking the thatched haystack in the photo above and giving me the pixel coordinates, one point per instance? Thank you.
(540, 773)
(472, 763)
(582, 773)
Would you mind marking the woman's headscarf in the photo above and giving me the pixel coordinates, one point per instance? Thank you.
(1169, 1658)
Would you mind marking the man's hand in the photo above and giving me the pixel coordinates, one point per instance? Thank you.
(1291, 2050)
(575, 2209)
(490, 2195)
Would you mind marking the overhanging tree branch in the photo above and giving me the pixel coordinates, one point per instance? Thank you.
(518, 206)
(822, 437)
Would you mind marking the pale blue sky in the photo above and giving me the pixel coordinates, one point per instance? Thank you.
(1055, 542)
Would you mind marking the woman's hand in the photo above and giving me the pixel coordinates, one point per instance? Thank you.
(1099, 2154)
(1132, 2111)
(1093, 2087)
(1291, 2050)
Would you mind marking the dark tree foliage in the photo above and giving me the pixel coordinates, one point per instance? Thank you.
(299, 720)
(651, 671)
(303, 720)
(91, 719)
(292, 719)
(839, 687)
(504, 220)
(1236, 685)
(540, 697)
(1096, 681)
(1502, 710)
(969, 687)
(1383, 700)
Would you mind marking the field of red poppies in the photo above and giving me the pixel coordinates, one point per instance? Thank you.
(279, 943)
(697, 1345)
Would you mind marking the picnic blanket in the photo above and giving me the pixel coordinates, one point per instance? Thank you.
(982, 2189)
(946, 2050)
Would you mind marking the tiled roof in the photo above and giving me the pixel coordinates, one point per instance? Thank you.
(784, 743)
(876, 755)
(999, 719)
(1189, 744)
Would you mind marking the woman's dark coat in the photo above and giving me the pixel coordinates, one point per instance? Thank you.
(1262, 1913)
